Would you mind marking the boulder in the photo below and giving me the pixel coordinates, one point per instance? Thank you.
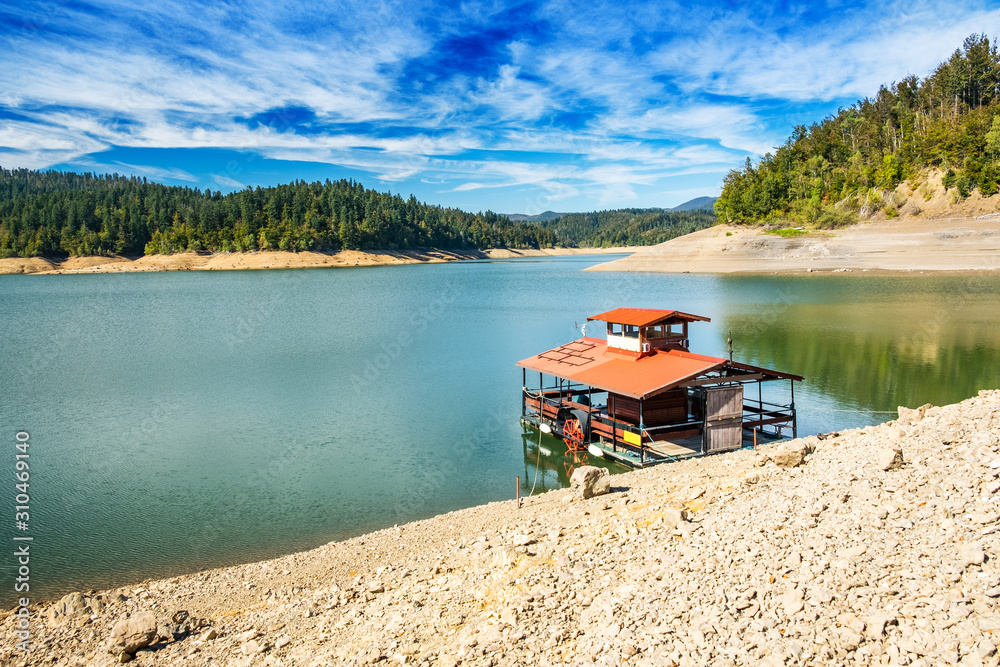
(70, 606)
(791, 454)
(590, 481)
(890, 458)
(133, 633)
(914, 415)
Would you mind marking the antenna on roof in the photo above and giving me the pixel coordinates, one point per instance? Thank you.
(730, 341)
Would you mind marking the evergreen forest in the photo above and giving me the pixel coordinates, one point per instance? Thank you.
(56, 214)
(848, 166)
(59, 214)
(629, 226)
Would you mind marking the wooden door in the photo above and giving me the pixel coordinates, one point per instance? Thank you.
(723, 419)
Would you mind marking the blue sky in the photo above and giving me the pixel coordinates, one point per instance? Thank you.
(481, 105)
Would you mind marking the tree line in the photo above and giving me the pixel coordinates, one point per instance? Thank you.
(63, 213)
(629, 226)
(846, 166)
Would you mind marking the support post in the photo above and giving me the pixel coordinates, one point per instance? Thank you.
(524, 389)
(590, 413)
(614, 423)
(541, 398)
(703, 398)
(517, 492)
(795, 417)
(642, 436)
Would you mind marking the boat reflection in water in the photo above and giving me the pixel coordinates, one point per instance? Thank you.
(549, 463)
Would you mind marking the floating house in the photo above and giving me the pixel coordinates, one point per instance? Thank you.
(641, 397)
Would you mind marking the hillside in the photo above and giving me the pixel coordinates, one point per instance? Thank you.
(850, 166)
(865, 547)
(56, 214)
(901, 245)
(697, 204)
(546, 215)
(626, 227)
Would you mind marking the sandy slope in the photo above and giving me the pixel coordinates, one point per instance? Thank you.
(271, 260)
(228, 261)
(505, 253)
(945, 244)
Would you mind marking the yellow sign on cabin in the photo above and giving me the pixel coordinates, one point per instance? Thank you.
(633, 438)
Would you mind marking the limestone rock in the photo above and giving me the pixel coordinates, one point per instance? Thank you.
(674, 517)
(875, 625)
(522, 540)
(890, 458)
(590, 481)
(792, 601)
(791, 454)
(253, 647)
(70, 606)
(133, 633)
(914, 415)
(971, 554)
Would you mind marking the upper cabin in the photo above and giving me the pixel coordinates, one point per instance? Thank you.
(641, 331)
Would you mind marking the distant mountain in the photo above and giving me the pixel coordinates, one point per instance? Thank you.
(696, 204)
(541, 217)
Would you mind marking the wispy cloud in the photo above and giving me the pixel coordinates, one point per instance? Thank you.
(596, 104)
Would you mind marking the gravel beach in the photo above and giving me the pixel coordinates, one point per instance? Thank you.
(875, 546)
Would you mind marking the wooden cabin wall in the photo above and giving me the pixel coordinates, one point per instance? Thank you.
(670, 407)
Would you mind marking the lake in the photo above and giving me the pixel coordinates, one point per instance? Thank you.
(181, 421)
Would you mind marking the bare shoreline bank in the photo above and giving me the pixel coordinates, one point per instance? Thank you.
(879, 547)
(902, 246)
(190, 261)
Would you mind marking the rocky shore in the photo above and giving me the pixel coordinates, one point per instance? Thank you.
(875, 546)
(906, 246)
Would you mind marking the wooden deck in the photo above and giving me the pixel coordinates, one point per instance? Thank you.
(665, 451)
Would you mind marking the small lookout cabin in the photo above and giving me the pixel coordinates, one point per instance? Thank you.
(641, 397)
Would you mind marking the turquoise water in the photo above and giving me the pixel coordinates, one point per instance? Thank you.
(180, 421)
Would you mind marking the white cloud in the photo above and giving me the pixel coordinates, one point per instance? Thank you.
(227, 182)
(657, 89)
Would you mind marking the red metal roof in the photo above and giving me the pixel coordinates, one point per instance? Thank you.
(644, 317)
(585, 361)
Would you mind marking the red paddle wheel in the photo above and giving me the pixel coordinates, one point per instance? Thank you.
(573, 435)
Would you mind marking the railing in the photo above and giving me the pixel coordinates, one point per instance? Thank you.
(763, 413)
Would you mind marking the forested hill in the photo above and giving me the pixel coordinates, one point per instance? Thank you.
(848, 166)
(629, 226)
(56, 214)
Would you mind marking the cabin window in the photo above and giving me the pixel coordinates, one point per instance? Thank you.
(628, 330)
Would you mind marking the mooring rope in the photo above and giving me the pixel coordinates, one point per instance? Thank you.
(860, 412)
(538, 460)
